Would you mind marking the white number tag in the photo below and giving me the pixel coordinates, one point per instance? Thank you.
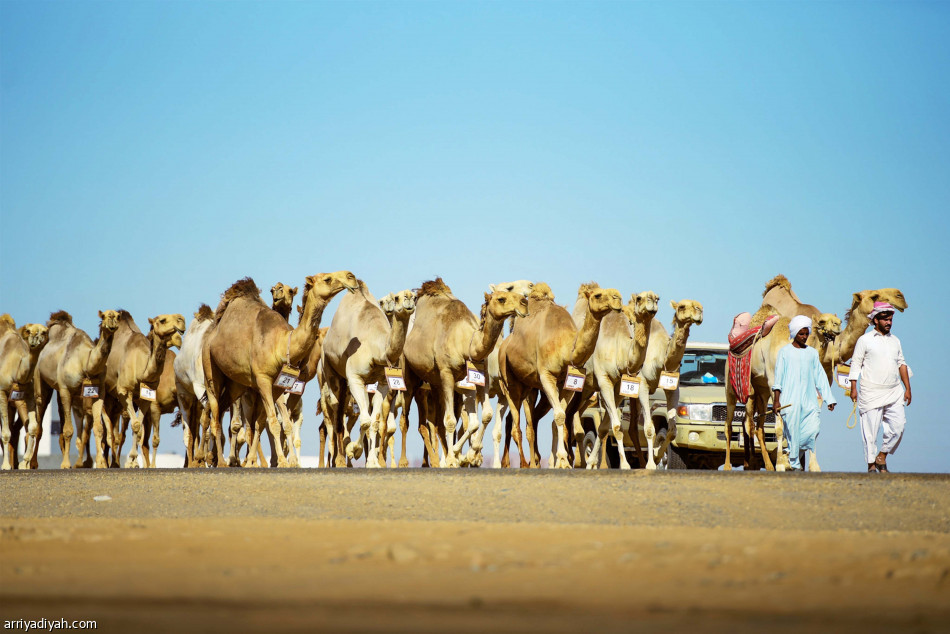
(475, 376)
(372, 388)
(395, 379)
(574, 380)
(17, 395)
(843, 372)
(90, 391)
(146, 393)
(287, 377)
(629, 386)
(297, 387)
(669, 380)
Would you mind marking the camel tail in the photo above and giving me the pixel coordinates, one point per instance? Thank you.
(777, 281)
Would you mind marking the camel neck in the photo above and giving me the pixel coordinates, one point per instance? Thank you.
(676, 346)
(586, 339)
(283, 311)
(484, 338)
(846, 341)
(156, 359)
(96, 363)
(398, 329)
(304, 335)
(638, 345)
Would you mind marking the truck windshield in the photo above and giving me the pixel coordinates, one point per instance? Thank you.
(703, 367)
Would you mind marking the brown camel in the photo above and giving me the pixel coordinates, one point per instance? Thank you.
(70, 358)
(251, 344)
(19, 350)
(283, 296)
(664, 354)
(444, 338)
(537, 354)
(857, 317)
(133, 370)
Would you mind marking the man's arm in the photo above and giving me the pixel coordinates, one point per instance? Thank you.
(905, 379)
(857, 360)
(776, 405)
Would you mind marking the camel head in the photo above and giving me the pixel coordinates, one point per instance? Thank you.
(404, 302)
(109, 320)
(388, 304)
(863, 302)
(521, 286)
(541, 291)
(283, 295)
(326, 285)
(35, 335)
(504, 304)
(165, 326)
(828, 326)
(646, 303)
(603, 300)
(687, 312)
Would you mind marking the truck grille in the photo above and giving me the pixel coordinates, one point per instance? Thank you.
(719, 415)
(721, 435)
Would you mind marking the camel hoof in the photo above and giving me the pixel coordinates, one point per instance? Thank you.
(24, 465)
(562, 463)
(101, 463)
(403, 463)
(65, 465)
(727, 466)
(6, 467)
(625, 466)
(651, 466)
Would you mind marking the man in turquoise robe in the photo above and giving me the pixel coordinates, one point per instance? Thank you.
(799, 380)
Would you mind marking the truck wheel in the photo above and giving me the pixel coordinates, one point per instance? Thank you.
(613, 456)
(674, 457)
(589, 439)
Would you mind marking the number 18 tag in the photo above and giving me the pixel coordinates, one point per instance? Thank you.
(629, 386)
(574, 380)
(395, 379)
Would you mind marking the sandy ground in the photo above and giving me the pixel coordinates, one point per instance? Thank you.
(476, 550)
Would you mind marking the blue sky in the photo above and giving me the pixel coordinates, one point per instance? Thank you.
(153, 153)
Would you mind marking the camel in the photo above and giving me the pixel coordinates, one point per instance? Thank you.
(779, 294)
(359, 346)
(251, 344)
(621, 349)
(537, 354)
(445, 337)
(857, 317)
(664, 353)
(70, 358)
(19, 351)
(764, 354)
(283, 296)
(134, 366)
(394, 400)
(190, 387)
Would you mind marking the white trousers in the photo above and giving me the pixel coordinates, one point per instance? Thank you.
(893, 418)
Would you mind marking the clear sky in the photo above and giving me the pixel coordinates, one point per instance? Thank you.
(152, 153)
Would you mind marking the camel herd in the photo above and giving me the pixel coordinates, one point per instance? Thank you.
(376, 359)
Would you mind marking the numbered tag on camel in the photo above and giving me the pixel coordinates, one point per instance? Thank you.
(843, 372)
(297, 387)
(89, 389)
(395, 379)
(146, 393)
(474, 375)
(574, 380)
(629, 386)
(669, 380)
(287, 377)
(372, 388)
(16, 394)
(465, 384)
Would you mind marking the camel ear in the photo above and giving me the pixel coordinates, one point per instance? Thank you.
(310, 280)
(101, 315)
(294, 292)
(673, 304)
(491, 288)
(150, 321)
(633, 297)
(488, 295)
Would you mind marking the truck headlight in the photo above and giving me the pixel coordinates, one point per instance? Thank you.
(700, 412)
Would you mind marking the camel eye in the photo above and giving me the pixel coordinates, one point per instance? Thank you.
(501, 300)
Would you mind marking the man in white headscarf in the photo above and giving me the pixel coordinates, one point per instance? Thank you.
(878, 361)
(799, 380)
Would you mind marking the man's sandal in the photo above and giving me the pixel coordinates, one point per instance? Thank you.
(881, 466)
(872, 468)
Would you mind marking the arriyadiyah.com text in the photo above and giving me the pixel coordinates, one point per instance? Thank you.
(47, 625)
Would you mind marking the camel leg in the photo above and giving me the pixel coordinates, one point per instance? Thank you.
(214, 389)
(469, 426)
(66, 414)
(128, 410)
(730, 412)
(813, 462)
(431, 457)
(287, 428)
(266, 392)
(447, 406)
(404, 428)
(478, 442)
(99, 432)
(33, 430)
(151, 419)
(609, 395)
(649, 428)
(83, 427)
(515, 402)
(672, 401)
(387, 427)
(758, 416)
(559, 400)
(7, 432)
(497, 432)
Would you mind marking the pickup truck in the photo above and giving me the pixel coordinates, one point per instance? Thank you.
(700, 441)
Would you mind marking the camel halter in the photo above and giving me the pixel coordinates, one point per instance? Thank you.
(853, 419)
(289, 335)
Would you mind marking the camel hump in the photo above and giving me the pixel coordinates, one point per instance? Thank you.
(204, 313)
(779, 281)
(586, 288)
(433, 287)
(765, 312)
(60, 317)
(6, 322)
(244, 287)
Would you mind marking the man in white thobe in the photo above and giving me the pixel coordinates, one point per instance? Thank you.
(799, 381)
(885, 386)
